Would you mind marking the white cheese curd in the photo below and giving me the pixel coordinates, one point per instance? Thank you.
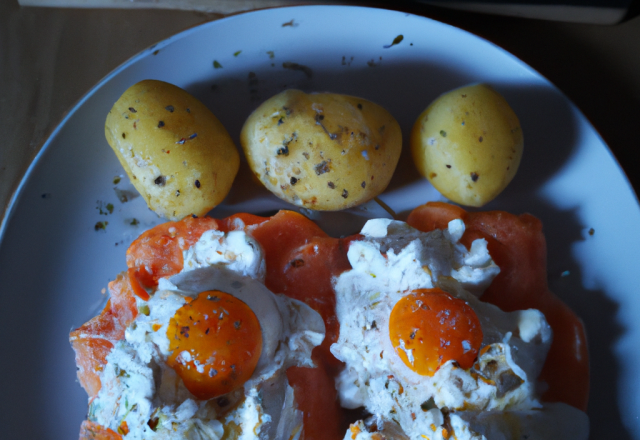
(143, 398)
(234, 250)
(391, 260)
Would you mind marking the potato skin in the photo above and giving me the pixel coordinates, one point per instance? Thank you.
(468, 143)
(322, 151)
(176, 152)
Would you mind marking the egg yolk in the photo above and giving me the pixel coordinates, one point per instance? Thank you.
(429, 327)
(216, 343)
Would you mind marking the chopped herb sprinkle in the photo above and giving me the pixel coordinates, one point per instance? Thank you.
(133, 110)
(298, 262)
(443, 133)
(395, 41)
(331, 185)
(322, 167)
(134, 222)
(235, 54)
(101, 226)
(216, 64)
(299, 67)
(116, 180)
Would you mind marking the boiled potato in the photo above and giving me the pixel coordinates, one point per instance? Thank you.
(175, 151)
(468, 143)
(322, 151)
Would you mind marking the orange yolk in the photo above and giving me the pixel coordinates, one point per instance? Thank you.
(216, 343)
(429, 327)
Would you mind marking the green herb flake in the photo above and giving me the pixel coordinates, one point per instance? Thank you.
(235, 54)
(443, 133)
(144, 310)
(216, 64)
(396, 40)
(271, 54)
(122, 373)
(116, 180)
(101, 226)
(109, 208)
(134, 222)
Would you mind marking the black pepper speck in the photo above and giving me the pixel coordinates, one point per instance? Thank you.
(197, 184)
(293, 180)
(133, 110)
(474, 176)
(345, 193)
(284, 151)
(169, 108)
(160, 180)
(160, 124)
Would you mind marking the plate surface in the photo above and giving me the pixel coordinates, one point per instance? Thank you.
(55, 263)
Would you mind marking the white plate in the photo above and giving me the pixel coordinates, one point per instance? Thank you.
(54, 263)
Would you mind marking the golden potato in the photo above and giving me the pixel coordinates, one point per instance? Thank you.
(175, 151)
(322, 151)
(468, 143)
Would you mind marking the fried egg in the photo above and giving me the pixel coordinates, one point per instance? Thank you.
(424, 356)
(207, 355)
